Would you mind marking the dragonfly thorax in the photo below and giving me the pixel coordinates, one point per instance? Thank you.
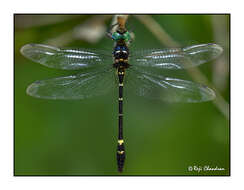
(121, 54)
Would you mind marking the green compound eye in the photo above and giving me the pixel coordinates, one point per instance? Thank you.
(126, 36)
(117, 36)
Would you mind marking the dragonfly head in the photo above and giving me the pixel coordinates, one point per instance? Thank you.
(121, 35)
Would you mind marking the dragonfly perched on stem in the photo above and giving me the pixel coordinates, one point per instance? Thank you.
(135, 73)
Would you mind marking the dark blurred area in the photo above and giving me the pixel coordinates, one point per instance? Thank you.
(57, 137)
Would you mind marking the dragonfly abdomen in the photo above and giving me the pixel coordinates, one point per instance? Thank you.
(120, 147)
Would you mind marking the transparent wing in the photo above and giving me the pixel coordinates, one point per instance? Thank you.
(66, 59)
(176, 58)
(79, 86)
(164, 88)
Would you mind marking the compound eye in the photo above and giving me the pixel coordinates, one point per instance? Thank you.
(126, 36)
(116, 36)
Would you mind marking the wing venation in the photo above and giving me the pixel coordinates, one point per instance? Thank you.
(176, 58)
(65, 58)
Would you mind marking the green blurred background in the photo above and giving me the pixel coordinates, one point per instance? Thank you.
(54, 137)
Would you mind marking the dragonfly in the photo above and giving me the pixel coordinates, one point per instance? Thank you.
(136, 71)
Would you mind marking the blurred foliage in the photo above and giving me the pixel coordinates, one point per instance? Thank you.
(80, 137)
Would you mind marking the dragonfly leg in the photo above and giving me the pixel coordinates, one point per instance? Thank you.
(109, 34)
(109, 31)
